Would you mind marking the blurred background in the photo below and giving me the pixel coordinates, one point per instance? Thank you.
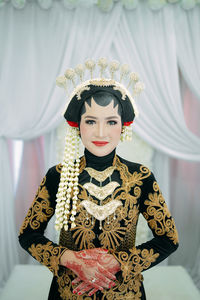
(160, 41)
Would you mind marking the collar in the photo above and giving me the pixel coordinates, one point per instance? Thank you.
(99, 162)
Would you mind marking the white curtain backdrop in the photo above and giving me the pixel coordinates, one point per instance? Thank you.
(8, 246)
(187, 27)
(185, 191)
(32, 163)
(150, 47)
(37, 46)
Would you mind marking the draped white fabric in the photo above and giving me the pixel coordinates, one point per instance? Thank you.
(185, 191)
(187, 28)
(104, 5)
(8, 246)
(38, 45)
(150, 47)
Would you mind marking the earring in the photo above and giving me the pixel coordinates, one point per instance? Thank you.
(126, 134)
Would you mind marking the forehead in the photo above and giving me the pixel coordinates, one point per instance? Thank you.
(101, 111)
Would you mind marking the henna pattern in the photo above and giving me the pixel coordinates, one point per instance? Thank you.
(109, 262)
(93, 263)
(90, 253)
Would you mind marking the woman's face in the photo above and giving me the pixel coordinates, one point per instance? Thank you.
(100, 128)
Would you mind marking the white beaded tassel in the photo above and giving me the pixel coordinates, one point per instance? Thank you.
(75, 183)
(68, 186)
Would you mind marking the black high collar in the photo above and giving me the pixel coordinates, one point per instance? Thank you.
(99, 162)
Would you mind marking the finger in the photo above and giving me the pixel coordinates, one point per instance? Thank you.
(104, 281)
(96, 285)
(76, 280)
(81, 286)
(85, 290)
(84, 286)
(92, 292)
(106, 273)
(100, 282)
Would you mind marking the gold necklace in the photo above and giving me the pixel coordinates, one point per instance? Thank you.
(100, 175)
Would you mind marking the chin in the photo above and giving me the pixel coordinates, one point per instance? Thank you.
(99, 151)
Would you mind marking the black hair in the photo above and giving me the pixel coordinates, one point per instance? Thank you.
(103, 99)
(102, 95)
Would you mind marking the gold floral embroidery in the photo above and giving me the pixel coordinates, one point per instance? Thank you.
(129, 239)
(40, 210)
(125, 290)
(83, 233)
(128, 291)
(161, 220)
(130, 180)
(112, 233)
(82, 164)
(65, 286)
(59, 168)
(135, 262)
(100, 175)
(48, 255)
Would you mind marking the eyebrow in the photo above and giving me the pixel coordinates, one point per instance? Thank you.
(111, 117)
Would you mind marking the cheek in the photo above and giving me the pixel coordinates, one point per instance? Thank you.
(116, 131)
(84, 131)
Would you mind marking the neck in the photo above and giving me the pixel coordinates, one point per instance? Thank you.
(99, 162)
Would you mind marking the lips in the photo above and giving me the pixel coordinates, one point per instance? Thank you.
(100, 143)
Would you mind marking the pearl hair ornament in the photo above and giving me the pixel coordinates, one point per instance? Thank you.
(68, 186)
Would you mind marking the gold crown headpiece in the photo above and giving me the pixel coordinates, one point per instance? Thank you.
(76, 81)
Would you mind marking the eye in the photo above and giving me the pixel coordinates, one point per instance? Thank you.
(90, 122)
(112, 122)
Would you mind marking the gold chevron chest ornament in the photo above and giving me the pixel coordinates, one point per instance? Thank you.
(101, 192)
(101, 212)
(100, 175)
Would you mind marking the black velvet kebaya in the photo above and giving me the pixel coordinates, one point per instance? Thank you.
(136, 191)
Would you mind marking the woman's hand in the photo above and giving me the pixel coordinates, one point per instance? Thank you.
(107, 261)
(86, 266)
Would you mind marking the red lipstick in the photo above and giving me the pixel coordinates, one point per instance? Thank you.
(100, 143)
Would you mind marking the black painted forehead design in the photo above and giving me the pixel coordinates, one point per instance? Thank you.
(75, 106)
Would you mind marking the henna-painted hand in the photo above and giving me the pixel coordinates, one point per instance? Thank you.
(83, 288)
(109, 262)
(91, 253)
(84, 254)
(87, 269)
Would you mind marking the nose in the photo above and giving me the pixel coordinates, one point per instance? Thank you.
(101, 130)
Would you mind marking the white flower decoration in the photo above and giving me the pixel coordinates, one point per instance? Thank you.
(61, 81)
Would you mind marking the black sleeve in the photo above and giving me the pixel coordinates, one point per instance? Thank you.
(154, 209)
(31, 235)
